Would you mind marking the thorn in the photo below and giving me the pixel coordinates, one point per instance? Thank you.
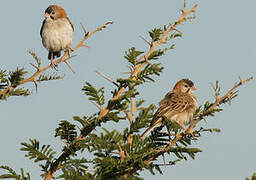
(35, 83)
(204, 119)
(34, 66)
(174, 28)
(67, 63)
(229, 99)
(212, 86)
(99, 107)
(110, 22)
(150, 44)
(67, 58)
(126, 72)
(107, 78)
(240, 79)
(84, 29)
(85, 46)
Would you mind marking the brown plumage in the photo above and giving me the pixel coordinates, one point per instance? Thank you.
(178, 105)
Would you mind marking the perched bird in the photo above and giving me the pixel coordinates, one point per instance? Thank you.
(56, 32)
(178, 105)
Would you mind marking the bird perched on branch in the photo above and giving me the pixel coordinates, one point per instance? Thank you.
(178, 105)
(56, 32)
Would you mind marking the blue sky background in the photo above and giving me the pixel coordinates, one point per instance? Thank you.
(218, 45)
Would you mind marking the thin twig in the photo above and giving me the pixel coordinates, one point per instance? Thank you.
(56, 164)
(136, 70)
(34, 66)
(217, 101)
(146, 40)
(107, 78)
(67, 63)
(63, 58)
(36, 86)
(99, 107)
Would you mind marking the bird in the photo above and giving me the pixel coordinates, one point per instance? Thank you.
(178, 106)
(56, 32)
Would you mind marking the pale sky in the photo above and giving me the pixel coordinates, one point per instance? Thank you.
(218, 45)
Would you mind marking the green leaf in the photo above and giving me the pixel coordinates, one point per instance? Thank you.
(33, 54)
(155, 34)
(11, 173)
(46, 77)
(66, 131)
(94, 94)
(15, 77)
(132, 54)
(148, 71)
(45, 153)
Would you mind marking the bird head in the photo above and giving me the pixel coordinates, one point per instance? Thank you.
(54, 12)
(185, 86)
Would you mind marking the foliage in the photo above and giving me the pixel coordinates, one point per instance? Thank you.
(92, 151)
(12, 174)
(10, 81)
(252, 178)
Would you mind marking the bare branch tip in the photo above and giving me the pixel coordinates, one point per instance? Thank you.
(85, 32)
(110, 22)
(69, 66)
(145, 40)
(86, 46)
(37, 68)
(35, 83)
(195, 6)
(99, 107)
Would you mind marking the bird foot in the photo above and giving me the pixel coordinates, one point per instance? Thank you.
(54, 65)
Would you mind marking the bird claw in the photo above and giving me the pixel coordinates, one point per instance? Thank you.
(54, 65)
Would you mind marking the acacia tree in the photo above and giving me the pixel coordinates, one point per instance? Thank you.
(115, 154)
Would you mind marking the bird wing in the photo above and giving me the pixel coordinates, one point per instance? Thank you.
(70, 23)
(42, 27)
(172, 104)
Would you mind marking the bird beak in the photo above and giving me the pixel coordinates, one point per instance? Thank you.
(193, 88)
(46, 15)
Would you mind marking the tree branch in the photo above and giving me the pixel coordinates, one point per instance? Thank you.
(217, 102)
(134, 73)
(64, 58)
(56, 164)
(178, 136)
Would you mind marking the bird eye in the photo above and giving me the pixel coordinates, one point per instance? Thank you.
(186, 85)
(53, 13)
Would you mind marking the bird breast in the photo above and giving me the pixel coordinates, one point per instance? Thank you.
(57, 35)
(183, 118)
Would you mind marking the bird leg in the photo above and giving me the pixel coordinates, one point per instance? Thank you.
(53, 63)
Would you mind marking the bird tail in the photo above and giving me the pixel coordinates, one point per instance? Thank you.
(147, 131)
